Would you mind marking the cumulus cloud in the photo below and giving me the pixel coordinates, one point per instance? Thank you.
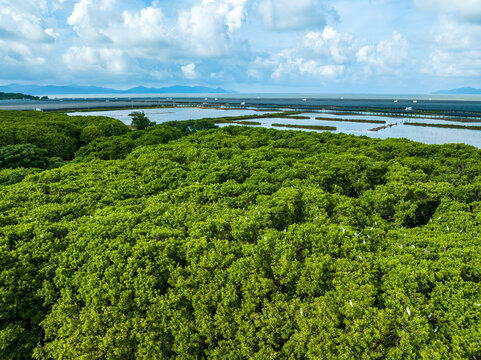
(456, 51)
(220, 41)
(467, 9)
(206, 29)
(92, 20)
(321, 55)
(189, 71)
(282, 15)
(387, 57)
(87, 59)
(329, 44)
(22, 26)
(203, 31)
(25, 39)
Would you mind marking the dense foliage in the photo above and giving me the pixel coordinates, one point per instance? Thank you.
(22, 155)
(118, 147)
(240, 243)
(191, 126)
(17, 96)
(140, 121)
(59, 134)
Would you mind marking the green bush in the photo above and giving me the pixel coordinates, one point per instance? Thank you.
(157, 135)
(140, 121)
(13, 176)
(108, 148)
(191, 126)
(60, 134)
(23, 155)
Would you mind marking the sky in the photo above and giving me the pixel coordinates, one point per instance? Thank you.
(276, 46)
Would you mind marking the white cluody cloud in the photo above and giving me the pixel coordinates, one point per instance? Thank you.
(467, 9)
(456, 50)
(214, 42)
(282, 15)
(92, 19)
(25, 39)
(22, 26)
(189, 71)
(203, 31)
(329, 44)
(321, 55)
(88, 59)
(388, 57)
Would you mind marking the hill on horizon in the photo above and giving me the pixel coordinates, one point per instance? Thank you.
(79, 89)
(468, 90)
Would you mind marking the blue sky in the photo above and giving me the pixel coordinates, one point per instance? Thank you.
(311, 46)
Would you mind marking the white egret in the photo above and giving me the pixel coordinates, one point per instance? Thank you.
(408, 311)
(350, 303)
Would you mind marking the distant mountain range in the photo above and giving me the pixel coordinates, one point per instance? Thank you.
(90, 90)
(460, 91)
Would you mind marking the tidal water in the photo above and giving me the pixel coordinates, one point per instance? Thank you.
(427, 135)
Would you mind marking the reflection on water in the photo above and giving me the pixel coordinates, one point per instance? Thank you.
(427, 135)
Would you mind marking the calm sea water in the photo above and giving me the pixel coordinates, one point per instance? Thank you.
(427, 135)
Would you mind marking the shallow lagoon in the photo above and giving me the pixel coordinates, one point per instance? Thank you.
(427, 135)
(170, 114)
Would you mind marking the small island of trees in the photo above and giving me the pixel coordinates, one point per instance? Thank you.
(19, 96)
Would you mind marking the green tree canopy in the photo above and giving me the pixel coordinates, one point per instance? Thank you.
(23, 155)
(140, 121)
(238, 243)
